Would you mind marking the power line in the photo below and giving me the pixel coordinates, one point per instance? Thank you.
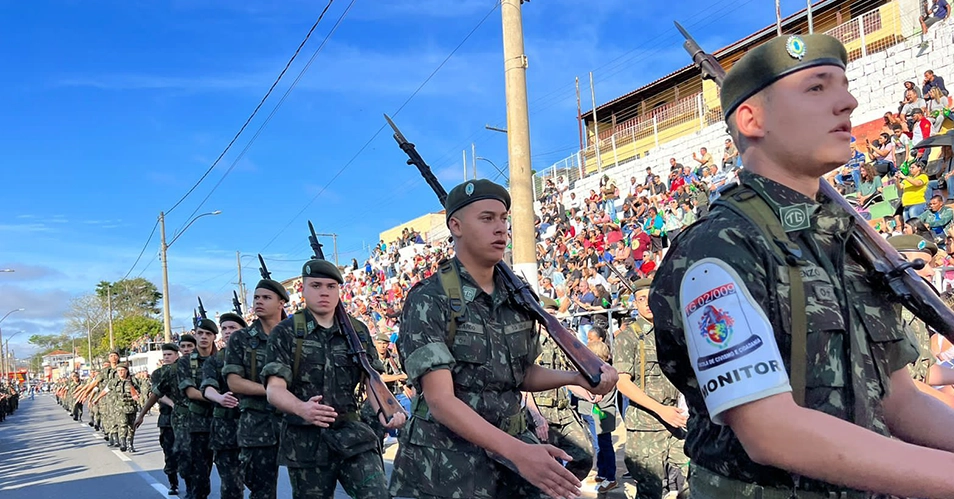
(379, 130)
(281, 101)
(144, 246)
(254, 112)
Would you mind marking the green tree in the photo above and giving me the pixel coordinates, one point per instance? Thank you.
(129, 329)
(130, 297)
(49, 342)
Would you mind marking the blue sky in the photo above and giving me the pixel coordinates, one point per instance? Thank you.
(113, 110)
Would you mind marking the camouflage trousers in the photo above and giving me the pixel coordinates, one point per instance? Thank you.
(124, 425)
(260, 469)
(656, 461)
(199, 467)
(167, 440)
(574, 439)
(77, 411)
(361, 476)
(228, 465)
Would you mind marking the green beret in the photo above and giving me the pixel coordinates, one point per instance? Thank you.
(232, 316)
(207, 325)
(775, 59)
(474, 190)
(321, 268)
(273, 286)
(643, 283)
(188, 337)
(382, 337)
(170, 346)
(549, 303)
(123, 365)
(913, 243)
(115, 352)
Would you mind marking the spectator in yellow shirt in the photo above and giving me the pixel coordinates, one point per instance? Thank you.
(913, 188)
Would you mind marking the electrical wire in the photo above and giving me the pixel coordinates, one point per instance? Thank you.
(144, 246)
(281, 101)
(379, 130)
(255, 111)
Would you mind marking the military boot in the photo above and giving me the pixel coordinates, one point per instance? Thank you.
(122, 445)
(132, 448)
(113, 440)
(173, 484)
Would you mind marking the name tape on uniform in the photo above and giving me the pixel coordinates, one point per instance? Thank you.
(731, 342)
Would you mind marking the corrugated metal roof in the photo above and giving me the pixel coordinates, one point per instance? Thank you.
(729, 49)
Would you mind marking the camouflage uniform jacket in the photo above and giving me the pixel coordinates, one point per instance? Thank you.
(392, 365)
(855, 340)
(165, 412)
(168, 385)
(918, 329)
(224, 420)
(633, 344)
(122, 393)
(259, 420)
(327, 367)
(199, 417)
(495, 345)
(554, 404)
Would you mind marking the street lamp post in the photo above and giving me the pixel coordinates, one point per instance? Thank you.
(2, 359)
(7, 270)
(499, 171)
(5, 354)
(163, 248)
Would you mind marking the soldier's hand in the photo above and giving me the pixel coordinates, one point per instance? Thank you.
(316, 413)
(538, 465)
(608, 379)
(541, 427)
(397, 420)
(138, 422)
(673, 416)
(229, 401)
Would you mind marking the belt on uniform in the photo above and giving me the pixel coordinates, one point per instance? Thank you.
(181, 409)
(224, 413)
(706, 484)
(514, 425)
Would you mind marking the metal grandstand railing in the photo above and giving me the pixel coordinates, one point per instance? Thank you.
(872, 32)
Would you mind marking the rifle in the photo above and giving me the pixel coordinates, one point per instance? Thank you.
(886, 268)
(523, 296)
(236, 304)
(202, 313)
(387, 404)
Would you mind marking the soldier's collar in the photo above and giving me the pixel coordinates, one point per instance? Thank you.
(782, 200)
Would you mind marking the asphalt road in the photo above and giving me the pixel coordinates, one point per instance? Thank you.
(45, 454)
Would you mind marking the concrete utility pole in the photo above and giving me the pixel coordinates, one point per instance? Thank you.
(109, 302)
(518, 142)
(166, 315)
(241, 291)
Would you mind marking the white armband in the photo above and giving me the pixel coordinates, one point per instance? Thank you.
(731, 342)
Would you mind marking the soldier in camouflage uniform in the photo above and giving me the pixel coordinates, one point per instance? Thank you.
(564, 428)
(198, 420)
(926, 371)
(259, 420)
(313, 376)
(167, 437)
(126, 392)
(793, 365)
(225, 415)
(167, 386)
(75, 406)
(101, 382)
(654, 425)
(468, 436)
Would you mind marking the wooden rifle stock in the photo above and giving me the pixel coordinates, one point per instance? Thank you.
(376, 387)
(585, 361)
(887, 269)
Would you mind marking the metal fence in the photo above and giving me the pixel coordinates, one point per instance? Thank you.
(874, 31)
